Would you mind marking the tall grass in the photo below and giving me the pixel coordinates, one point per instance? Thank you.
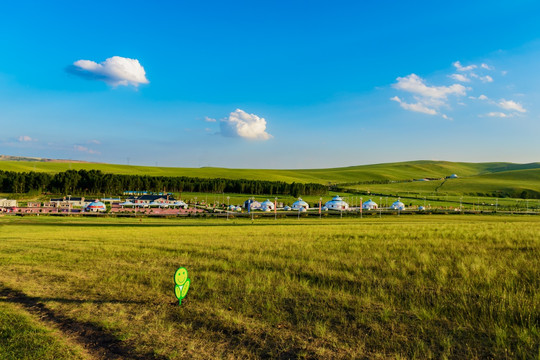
(434, 287)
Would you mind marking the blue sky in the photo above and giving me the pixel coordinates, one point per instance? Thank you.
(299, 84)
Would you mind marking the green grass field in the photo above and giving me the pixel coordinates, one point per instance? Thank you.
(409, 287)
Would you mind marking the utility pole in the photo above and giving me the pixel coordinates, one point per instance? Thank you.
(228, 208)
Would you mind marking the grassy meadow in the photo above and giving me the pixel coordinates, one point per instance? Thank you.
(397, 287)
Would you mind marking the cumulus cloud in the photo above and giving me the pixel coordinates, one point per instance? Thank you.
(209, 119)
(241, 124)
(25, 138)
(115, 71)
(428, 98)
(414, 84)
(460, 77)
(511, 105)
(417, 107)
(459, 67)
(483, 97)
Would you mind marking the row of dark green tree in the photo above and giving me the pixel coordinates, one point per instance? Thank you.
(89, 182)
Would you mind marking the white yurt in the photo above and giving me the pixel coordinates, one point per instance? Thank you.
(324, 208)
(398, 205)
(287, 208)
(238, 208)
(370, 205)
(252, 204)
(453, 176)
(421, 208)
(96, 206)
(300, 204)
(267, 205)
(336, 203)
(232, 207)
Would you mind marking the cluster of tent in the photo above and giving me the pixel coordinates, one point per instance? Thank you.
(337, 203)
(178, 203)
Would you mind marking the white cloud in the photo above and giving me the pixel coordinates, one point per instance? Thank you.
(511, 105)
(209, 119)
(498, 114)
(459, 67)
(483, 97)
(25, 138)
(486, 66)
(486, 78)
(94, 141)
(417, 107)
(241, 124)
(416, 85)
(460, 77)
(114, 71)
(84, 149)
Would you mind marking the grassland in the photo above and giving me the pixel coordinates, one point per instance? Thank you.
(409, 287)
(376, 172)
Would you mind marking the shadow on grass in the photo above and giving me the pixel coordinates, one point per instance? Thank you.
(97, 340)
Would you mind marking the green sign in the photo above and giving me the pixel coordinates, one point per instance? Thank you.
(182, 284)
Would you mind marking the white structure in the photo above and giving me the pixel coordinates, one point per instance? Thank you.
(453, 176)
(336, 203)
(370, 205)
(96, 206)
(252, 204)
(180, 204)
(8, 203)
(267, 205)
(398, 205)
(287, 208)
(300, 204)
(421, 208)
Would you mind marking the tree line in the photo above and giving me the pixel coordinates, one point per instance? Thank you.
(91, 182)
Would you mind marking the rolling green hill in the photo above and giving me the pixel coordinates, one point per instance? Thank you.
(474, 178)
(376, 172)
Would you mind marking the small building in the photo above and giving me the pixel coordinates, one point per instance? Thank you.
(336, 203)
(147, 199)
(70, 201)
(267, 205)
(453, 176)
(96, 206)
(370, 205)
(287, 208)
(8, 203)
(300, 204)
(398, 205)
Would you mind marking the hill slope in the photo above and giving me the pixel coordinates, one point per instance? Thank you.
(354, 174)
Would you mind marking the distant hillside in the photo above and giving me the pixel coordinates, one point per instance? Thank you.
(37, 159)
(474, 178)
(354, 174)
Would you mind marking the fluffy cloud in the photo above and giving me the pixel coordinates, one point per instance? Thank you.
(483, 97)
(209, 119)
(25, 138)
(511, 105)
(241, 124)
(486, 66)
(459, 67)
(428, 98)
(416, 85)
(417, 107)
(114, 71)
(460, 77)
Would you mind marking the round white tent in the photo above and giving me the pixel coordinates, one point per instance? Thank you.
(398, 205)
(300, 204)
(252, 204)
(267, 205)
(370, 205)
(96, 206)
(336, 203)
